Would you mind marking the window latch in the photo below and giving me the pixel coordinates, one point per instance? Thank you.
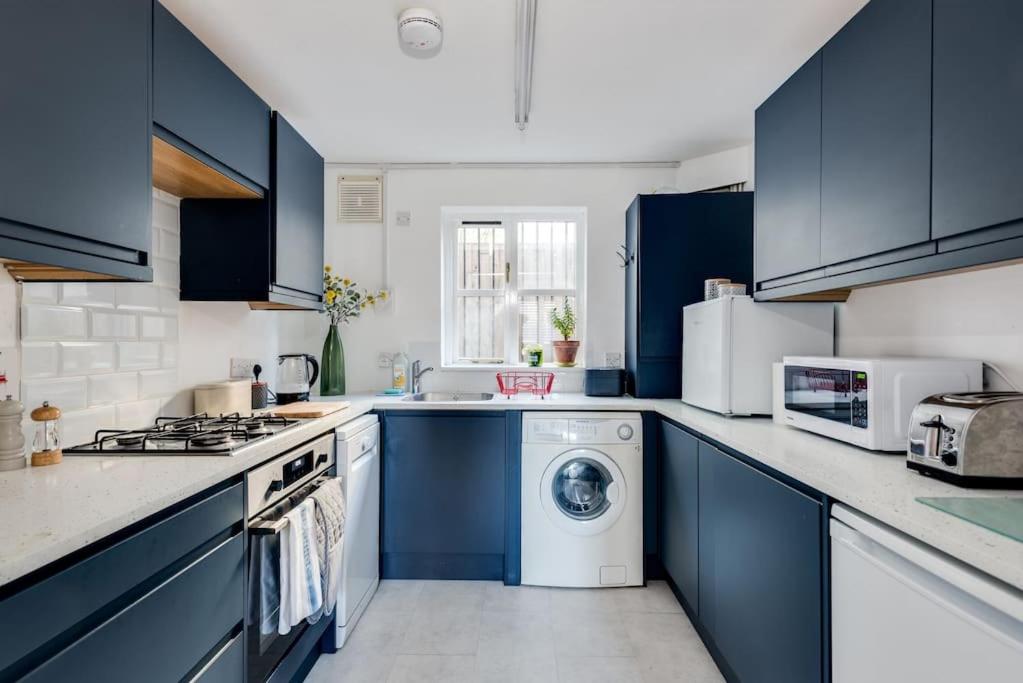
(507, 272)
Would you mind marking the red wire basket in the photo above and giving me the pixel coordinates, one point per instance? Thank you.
(537, 382)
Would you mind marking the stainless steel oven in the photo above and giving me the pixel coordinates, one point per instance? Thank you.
(272, 489)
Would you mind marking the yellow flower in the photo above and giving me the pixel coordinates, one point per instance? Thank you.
(362, 305)
(370, 299)
(383, 294)
(327, 269)
(331, 295)
(346, 282)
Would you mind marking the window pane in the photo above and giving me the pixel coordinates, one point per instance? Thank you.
(547, 255)
(480, 328)
(480, 257)
(535, 320)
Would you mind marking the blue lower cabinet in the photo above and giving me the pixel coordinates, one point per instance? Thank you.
(760, 573)
(444, 495)
(164, 601)
(679, 518)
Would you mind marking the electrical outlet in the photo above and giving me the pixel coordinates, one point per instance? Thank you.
(403, 218)
(241, 368)
(384, 360)
(612, 359)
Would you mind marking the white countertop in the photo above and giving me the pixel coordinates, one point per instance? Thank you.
(48, 512)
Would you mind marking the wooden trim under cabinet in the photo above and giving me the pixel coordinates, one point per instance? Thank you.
(40, 272)
(182, 175)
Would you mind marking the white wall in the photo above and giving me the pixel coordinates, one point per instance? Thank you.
(729, 167)
(411, 322)
(963, 315)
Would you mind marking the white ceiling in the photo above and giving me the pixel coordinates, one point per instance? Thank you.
(614, 80)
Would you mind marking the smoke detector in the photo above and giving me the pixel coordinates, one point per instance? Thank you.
(420, 30)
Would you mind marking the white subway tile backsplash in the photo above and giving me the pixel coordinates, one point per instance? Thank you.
(110, 325)
(165, 272)
(116, 388)
(86, 358)
(79, 426)
(52, 322)
(137, 414)
(159, 327)
(169, 298)
(99, 294)
(138, 296)
(158, 383)
(169, 356)
(39, 359)
(167, 244)
(40, 292)
(165, 215)
(67, 393)
(138, 355)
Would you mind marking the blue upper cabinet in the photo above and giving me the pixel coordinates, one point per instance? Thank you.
(978, 110)
(203, 108)
(875, 132)
(297, 213)
(787, 214)
(75, 129)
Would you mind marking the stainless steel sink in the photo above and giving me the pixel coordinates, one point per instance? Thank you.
(447, 396)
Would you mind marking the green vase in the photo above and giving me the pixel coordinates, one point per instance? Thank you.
(332, 364)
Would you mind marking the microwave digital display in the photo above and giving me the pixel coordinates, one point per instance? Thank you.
(828, 393)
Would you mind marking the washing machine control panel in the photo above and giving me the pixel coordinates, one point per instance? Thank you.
(623, 429)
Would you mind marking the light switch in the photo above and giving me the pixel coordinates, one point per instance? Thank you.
(403, 218)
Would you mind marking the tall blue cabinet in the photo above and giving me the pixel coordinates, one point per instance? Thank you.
(673, 242)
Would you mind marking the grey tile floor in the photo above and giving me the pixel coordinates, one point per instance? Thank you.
(480, 631)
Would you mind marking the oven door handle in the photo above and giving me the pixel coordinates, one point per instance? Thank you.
(262, 527)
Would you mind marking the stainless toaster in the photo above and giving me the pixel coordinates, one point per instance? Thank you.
(969, 439)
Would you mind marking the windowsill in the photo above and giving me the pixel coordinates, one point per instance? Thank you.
(498, 367)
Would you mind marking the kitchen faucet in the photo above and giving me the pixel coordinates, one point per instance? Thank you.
(417, 374)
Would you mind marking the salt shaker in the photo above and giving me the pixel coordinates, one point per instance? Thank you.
(12, 439)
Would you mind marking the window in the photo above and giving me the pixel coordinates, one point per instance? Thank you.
(505, 271)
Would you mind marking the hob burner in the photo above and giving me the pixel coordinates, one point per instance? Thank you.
(130, 440)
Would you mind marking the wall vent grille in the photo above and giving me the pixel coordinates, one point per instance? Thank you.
(360, 199)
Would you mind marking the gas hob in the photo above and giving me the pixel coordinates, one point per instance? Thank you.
(195, 435)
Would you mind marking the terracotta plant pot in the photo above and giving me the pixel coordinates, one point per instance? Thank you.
(564, 353)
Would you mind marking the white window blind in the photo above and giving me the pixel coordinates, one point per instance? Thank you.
(505, 271)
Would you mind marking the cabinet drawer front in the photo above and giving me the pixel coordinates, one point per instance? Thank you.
(30, 618)
(227, 666)
(199, 99)
(162, 636)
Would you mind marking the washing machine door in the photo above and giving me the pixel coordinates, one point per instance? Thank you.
(583, 491)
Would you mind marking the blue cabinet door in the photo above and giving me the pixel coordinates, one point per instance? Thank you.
(978, 107)
(787, 215)
(760, 572)
(199, 100)
(680, 511)
(875, 132)
(75, 134)
(297, 213)
(443, 496)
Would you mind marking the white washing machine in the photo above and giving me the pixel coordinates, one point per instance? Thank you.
(582, 499)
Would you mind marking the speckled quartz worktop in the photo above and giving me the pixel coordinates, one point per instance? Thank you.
(46, 513)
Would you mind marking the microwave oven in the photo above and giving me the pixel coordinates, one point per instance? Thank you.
(868, 402)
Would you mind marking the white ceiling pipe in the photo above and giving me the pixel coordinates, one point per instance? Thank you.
(525, 35)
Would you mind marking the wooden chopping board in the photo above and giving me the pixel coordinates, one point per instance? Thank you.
(308, 409)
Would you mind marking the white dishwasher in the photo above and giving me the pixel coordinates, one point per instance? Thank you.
(358, 463)
(902, 611)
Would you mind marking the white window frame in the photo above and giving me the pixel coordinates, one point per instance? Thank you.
(451, 219)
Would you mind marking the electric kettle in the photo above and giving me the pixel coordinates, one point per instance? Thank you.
(295, 373)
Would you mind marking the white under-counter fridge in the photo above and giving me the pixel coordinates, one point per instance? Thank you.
(902, 611)
(730, 343)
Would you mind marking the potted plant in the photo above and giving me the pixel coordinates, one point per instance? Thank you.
(566, 349)
(342, 302)
(533, 354)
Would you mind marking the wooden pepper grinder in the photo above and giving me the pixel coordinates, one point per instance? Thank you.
(12, 439)
(46, 444)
